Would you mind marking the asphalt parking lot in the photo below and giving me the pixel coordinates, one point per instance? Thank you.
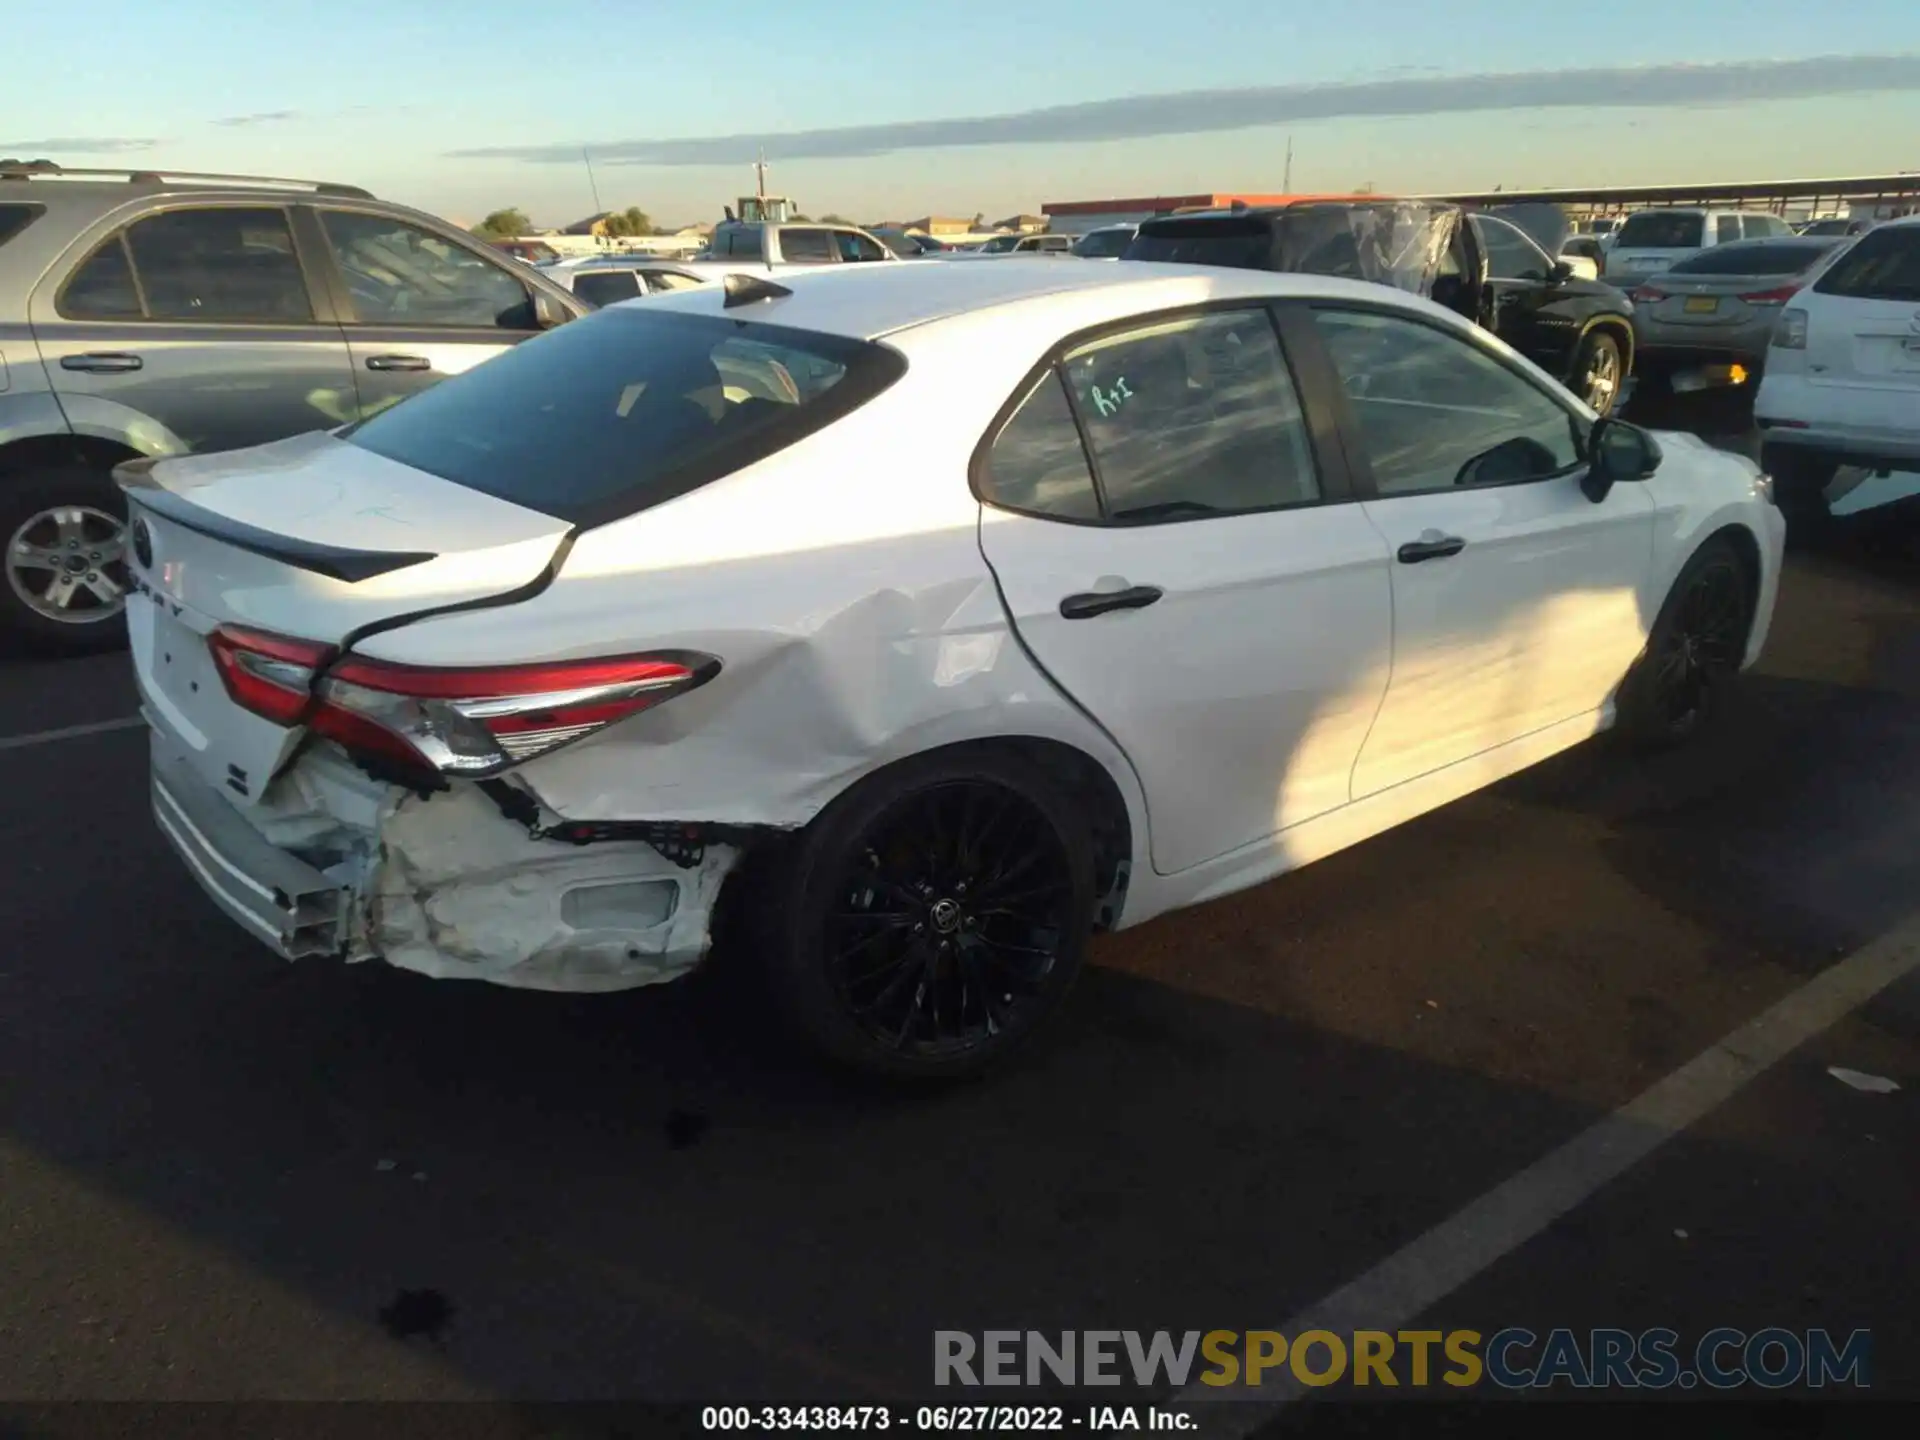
(223, 1177)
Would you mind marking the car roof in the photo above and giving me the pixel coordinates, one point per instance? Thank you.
(866, 302)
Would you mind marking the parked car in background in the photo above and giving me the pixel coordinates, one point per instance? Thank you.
(1709, 319)
(151, 313)
(1485, 267)
(910, 244)
(526, 680)
(1834, 225)
(1649, 241)
(765, 243)
(531, 252)
(1004, 245)
(607, 279)
(1842, 384)
(1108, 242)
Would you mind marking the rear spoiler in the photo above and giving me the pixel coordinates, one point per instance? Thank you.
(145, 492)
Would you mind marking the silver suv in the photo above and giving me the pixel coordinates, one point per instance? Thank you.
(147, 313)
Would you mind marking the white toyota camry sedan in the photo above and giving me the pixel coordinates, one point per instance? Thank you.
(929, 619)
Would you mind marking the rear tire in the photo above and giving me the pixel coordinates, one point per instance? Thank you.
(64, 529)
(1696, 647)
(931, 918)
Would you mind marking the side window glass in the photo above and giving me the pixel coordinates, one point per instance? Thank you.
(1037, 463)
(604, 287)
(668, 280)
(1436, 411)
(1195, 416)
(1727, 229)
(400, 274)
(102, 287)
(855, 246)
(219, 265)
(807, 247)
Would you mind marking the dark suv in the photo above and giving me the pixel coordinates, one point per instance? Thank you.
(147, 313)
(1499, 269)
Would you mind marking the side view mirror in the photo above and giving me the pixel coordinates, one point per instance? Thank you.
(1618, 453)
(1560, 273)
(548, 311)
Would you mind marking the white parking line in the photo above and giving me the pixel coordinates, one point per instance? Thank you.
(69, 732)
(1407, 1283)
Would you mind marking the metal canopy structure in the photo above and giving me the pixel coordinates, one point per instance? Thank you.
(1899, 193)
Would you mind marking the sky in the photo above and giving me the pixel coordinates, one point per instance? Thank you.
(893, 109)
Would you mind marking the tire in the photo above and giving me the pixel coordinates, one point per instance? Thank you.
(1800, 484)
(1598, 361)
(63, 511)
(914, 1004)
(1697, 643)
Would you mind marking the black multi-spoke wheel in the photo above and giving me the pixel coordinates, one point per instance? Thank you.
(937, 914)
(1697, 644)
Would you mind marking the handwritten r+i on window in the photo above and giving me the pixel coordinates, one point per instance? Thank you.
(1108, 402)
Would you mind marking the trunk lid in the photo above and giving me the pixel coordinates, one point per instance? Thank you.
(1713, 300)
(309, 537)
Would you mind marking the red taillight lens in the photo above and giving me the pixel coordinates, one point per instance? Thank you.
(473, 721)
(1647, 295)
(481, 721)
(1778, 296)
(271, 675)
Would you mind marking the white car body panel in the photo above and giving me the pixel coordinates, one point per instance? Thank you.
(846, 583)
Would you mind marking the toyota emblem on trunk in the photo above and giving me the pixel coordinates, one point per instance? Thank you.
(143, 544)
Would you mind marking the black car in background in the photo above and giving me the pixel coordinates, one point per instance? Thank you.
(1497, 268)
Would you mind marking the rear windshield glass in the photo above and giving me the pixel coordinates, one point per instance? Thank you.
(1244, 243)
(626, 408)
(1882, 265)
(15, 218)
(1779, 257)
(1662, 230)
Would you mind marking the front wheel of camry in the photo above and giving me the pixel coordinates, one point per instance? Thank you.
(935, 915)
(1696, 646)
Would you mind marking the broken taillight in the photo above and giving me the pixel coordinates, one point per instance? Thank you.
(470, 721)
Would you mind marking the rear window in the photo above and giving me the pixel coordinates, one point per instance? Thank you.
(1241, 242)
(15, 218)
(1772, 258)
(1883, 264)
(628, 407)
(1662, 230)
(606, 287)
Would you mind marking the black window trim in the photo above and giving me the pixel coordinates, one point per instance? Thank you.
(342, 298)
(1310, 388)
(312, 281)
(1353, 441)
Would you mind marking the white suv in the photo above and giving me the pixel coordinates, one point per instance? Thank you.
(1842, 382)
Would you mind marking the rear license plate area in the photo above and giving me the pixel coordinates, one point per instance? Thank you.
(1702, 304)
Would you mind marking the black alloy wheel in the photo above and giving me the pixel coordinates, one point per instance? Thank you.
(937, 916)
(1696, 646)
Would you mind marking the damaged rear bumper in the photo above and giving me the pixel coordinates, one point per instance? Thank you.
(331, 863)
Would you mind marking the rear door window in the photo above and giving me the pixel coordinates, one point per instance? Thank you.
(1192, 417)
(852, 245)
(219, 265)
(1240, 242)
(1662, 230)
(102, 287)
(628, 407)
(1037, 463)
(1883, 264)
(1726, 229)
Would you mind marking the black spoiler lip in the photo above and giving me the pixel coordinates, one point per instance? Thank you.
(336, 562)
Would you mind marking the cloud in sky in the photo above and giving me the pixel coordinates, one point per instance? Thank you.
(81, 145)
(263, 117)
(1196, 112)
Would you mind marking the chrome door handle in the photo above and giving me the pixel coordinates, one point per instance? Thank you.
(398, 362)
(100, 363)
